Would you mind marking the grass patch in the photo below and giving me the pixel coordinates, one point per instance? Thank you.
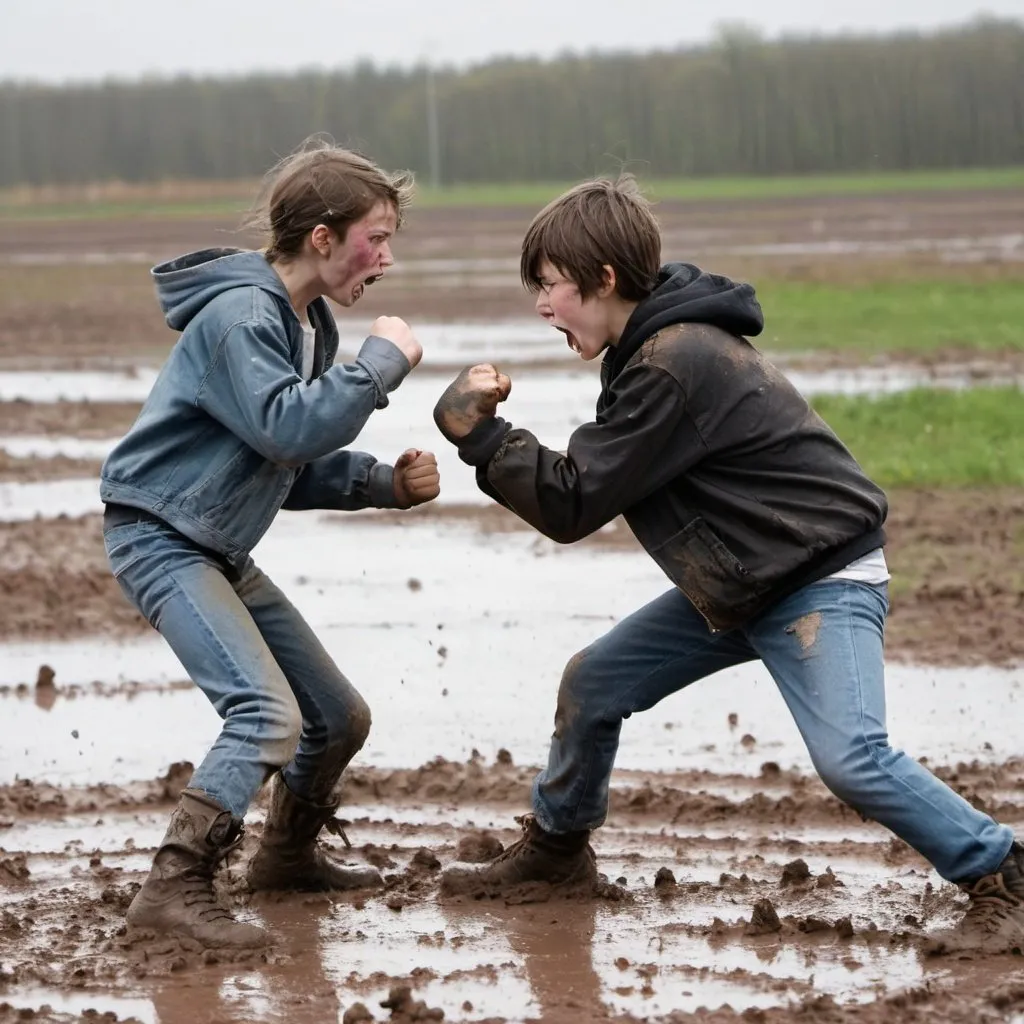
(157, 209)
(901, 316)
(933, 438)
(789, 187)
(215, 199)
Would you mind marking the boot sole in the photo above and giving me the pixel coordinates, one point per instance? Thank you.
(156, 923)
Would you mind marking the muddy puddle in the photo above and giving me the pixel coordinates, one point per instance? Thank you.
(735, 880)
(47, 447)
(529, 347)
(550, 403)
(425, 711)
(848, 929)
(955, 249)
(562, 964)
(76, 496)
(400, 610)
(889, 241)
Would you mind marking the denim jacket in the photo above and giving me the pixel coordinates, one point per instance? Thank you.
(230, 432)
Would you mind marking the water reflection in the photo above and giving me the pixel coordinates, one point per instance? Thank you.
(553, 942)
(425, 706)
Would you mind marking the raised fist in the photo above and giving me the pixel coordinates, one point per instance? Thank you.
(416, 479)
(399, 333)
(470, 399)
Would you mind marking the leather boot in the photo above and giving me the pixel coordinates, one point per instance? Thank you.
(289, 856)
(539, 856)
(994, 920)
(178, 896)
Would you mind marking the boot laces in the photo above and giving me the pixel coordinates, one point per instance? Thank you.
(525, 821)
(336, 826)
(198, 881)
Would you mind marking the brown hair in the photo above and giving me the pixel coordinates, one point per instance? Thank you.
(321, 183)
(596, 223)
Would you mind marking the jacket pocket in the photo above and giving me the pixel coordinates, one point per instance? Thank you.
(709, 574)
(235, 494)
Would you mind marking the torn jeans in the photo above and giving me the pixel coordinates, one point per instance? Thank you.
(823, 646)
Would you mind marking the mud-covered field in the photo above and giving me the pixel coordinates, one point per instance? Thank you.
(735, 886)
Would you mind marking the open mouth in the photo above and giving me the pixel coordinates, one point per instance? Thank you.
(361, 287)
(570, 339)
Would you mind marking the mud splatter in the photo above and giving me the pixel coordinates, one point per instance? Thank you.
(805, 629)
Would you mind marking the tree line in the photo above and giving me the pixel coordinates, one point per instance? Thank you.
(739, 106)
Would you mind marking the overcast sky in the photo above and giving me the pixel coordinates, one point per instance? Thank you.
(61, 40)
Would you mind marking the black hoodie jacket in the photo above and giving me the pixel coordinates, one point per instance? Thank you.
(729, 480)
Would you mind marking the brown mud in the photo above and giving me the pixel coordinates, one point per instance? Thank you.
(957, 594)
(727, 897)
(845, 901)
(25, 469)
(91, 276)
(77, 419)
(57, 584)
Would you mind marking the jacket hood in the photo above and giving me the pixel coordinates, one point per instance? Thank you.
(685, 294)
(186, 284)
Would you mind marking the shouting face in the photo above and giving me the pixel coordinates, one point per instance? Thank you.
(346, 267)
(585, 323)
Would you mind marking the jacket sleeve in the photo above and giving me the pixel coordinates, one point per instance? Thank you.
(641, 440)
(252, 388)
(344, 481)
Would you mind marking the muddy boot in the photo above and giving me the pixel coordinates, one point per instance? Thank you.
(178, 896)
(540, 856)
(289, 857)
(994, 921)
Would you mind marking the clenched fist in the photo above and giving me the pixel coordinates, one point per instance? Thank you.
(399, 333)
(469, 400)
(416, 479)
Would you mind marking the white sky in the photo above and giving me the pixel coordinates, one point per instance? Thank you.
(62, 40)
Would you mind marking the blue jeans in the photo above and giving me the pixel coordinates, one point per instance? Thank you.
(823, 647)
(284, 702)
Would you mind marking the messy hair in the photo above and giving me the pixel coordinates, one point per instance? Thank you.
(597, 223)
(321, 183)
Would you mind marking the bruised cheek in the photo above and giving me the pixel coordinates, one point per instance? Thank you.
(365, 257)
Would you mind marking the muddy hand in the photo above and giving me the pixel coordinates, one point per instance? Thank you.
(416, 478)
(469, 400)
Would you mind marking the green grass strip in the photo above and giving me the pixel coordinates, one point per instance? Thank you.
(902, 316)
(933, 438)
(536, 194)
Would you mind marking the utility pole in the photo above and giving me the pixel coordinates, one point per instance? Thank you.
(433, 129)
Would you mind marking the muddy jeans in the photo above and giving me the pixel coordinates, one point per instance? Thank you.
(823, 647)
(284, 702)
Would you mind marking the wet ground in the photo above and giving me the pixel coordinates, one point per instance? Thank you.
(737, 887)
(459, 267)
